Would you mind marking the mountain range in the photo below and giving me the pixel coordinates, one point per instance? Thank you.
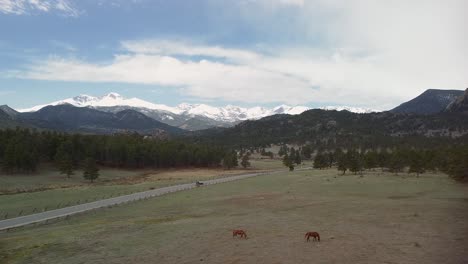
(323, 129)
(435, 112)
(69, 118)
(185, 116)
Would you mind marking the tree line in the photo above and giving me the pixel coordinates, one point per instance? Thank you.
(22, 150)
(451, 160)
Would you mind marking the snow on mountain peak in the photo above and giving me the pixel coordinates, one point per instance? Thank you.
(114, 96)
(229, 113)
(82, 99)
(358, 110)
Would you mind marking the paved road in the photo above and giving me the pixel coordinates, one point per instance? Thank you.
(53, 214)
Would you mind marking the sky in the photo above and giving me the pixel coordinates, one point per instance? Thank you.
(361, 53)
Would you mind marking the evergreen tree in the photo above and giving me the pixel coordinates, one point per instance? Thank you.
(307, 151)
(288, 162)
(297, 158)
(342, 163)
(416, 163)
(396, 162)
(383, 159)
(65, 165)
(245, 160)
(320, 161)
(230, 160)
(457, 163)
(429, 160)
(370, 160)
(10, 157)
(64, 160)
(355, 162)
(90, 170)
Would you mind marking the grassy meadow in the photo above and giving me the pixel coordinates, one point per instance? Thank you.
(377, 218)
(48, 189)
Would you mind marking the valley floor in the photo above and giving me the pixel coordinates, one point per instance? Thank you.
(48, 189)
(378, 218)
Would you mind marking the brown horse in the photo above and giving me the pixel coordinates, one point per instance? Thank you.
(240, 233)
(315, 236)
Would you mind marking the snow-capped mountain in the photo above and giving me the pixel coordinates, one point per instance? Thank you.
(111, 99)
(187, 116)
(358, 110)
(229, 113)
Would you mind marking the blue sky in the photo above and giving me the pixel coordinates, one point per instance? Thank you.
(243, 52)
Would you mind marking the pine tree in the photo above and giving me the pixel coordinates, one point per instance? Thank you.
(342, 164)
(90, 170)
(288, 162)
(457, 163)
(230, 160)
(370, 160)
(64, 160)
(307, 151)
(416, 163)
(9, 159)
(383, 159)
(65, 165)
(245, 160)
(297, 158)
(355, 162)
(283, 150)
(396, 162)
(320, 161)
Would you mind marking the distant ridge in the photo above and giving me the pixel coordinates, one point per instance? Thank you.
(69, 118)
(9, 118)
(429, 102)
(12, 113)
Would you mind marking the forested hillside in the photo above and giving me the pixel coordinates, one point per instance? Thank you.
(21, 150)
(332, 129)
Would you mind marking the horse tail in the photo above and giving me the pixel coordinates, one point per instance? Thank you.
(318, 237)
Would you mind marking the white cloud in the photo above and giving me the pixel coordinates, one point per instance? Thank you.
(203, 79)
(378, 54)
(21, 7)
(166, 47)
(12, 7)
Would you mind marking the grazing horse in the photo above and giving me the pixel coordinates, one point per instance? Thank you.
(240, 233)
(199, 183)
(315, 236)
